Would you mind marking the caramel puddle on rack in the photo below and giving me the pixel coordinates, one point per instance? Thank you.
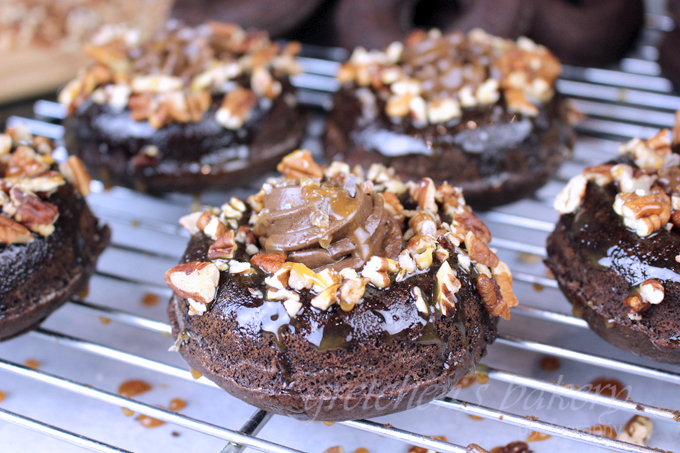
(609, 387)
(474, 417)
(602, 430)
(131, 388)
(150, 300)
(362, 450)
(415, 449)
(32, 364)
(84, 293)
(104, 320)
(149, 422)
(195, 374)
(2, 396)
(535, 436)
(177, 404)
(538, 287)
(471, 378)
(550, 363)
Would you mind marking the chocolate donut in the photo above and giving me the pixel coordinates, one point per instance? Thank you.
(587, 32)
(615, 251)
(335, 297)
(273, 16)
(470, 110)
(49, 239)
(375, 24)
(192, 109)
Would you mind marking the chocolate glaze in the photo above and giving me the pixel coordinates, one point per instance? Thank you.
(107, 140)
(39, 277)
(495, 156)
(383, 356)
(597, 261)
(324, 225)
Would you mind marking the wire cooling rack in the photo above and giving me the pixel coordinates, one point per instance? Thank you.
(85, 350)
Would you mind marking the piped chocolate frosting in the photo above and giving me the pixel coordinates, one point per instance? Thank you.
(326, 225)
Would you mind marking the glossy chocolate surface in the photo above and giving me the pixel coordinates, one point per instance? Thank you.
(192, 156)
(495, 156)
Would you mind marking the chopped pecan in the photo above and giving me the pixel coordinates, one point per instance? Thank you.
(644, 214)
(376, 271)
(197, 104)
(392, 204)
(447, 287)
(492, 298)
(600, 174)
(24, 161)
(195, 280)
(351, 291)
(421, 248)
(636, 305)
(245, 235)
(652, 291)
(636, 431)
(74, 171)
(501, 273)
(517, 102)
(300, 164)
(571, 195)
(423, 222)
(224, 247)
(29, 210)
(236, 108)
(648, 154)
(326, 298)
(141, 106)
(268, 262)
(12, 232)
(424, 194)
(471, 222)
(449, 197)
(479, 251)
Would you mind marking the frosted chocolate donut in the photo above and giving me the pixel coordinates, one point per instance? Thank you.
(478, 111)
(189, 110)
(330, 296)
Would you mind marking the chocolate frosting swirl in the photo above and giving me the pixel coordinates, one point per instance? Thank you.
(325, 225)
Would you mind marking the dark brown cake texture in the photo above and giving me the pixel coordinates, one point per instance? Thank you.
(477, 111)
(615, 251)
(188, 110)
(49, 239)
(336, 295)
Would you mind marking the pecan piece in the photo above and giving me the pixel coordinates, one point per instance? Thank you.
(236, 108)
(32, 212)
(471, 222)
(447, 285)
(300, 164)
(268, 262)
(224, 247)
(195, 280)
(479, 251)
(12, 232)
(74, 171)
(24, 161)
(571, 195)
(644, 214)
(424, 194)
(492, 299)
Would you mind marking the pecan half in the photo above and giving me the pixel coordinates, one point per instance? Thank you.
(644, 214)
(300, 164)
(471, 222)
(12, 232)
(492, 298)
(32, 212)
(479, 251)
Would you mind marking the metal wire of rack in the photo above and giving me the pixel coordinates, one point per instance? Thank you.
(632, 100)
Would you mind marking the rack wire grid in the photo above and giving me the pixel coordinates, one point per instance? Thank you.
(86, 349)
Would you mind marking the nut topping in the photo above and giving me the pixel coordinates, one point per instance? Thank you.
(75, 172)
(12, 232)
(636, 431)
(571, 195)
(652, 291)
(479, 252)
(29, 210)
(447, 287)
(195, 280)
(492, 298)
(300, 164)
(224, 247)
(268, 262)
